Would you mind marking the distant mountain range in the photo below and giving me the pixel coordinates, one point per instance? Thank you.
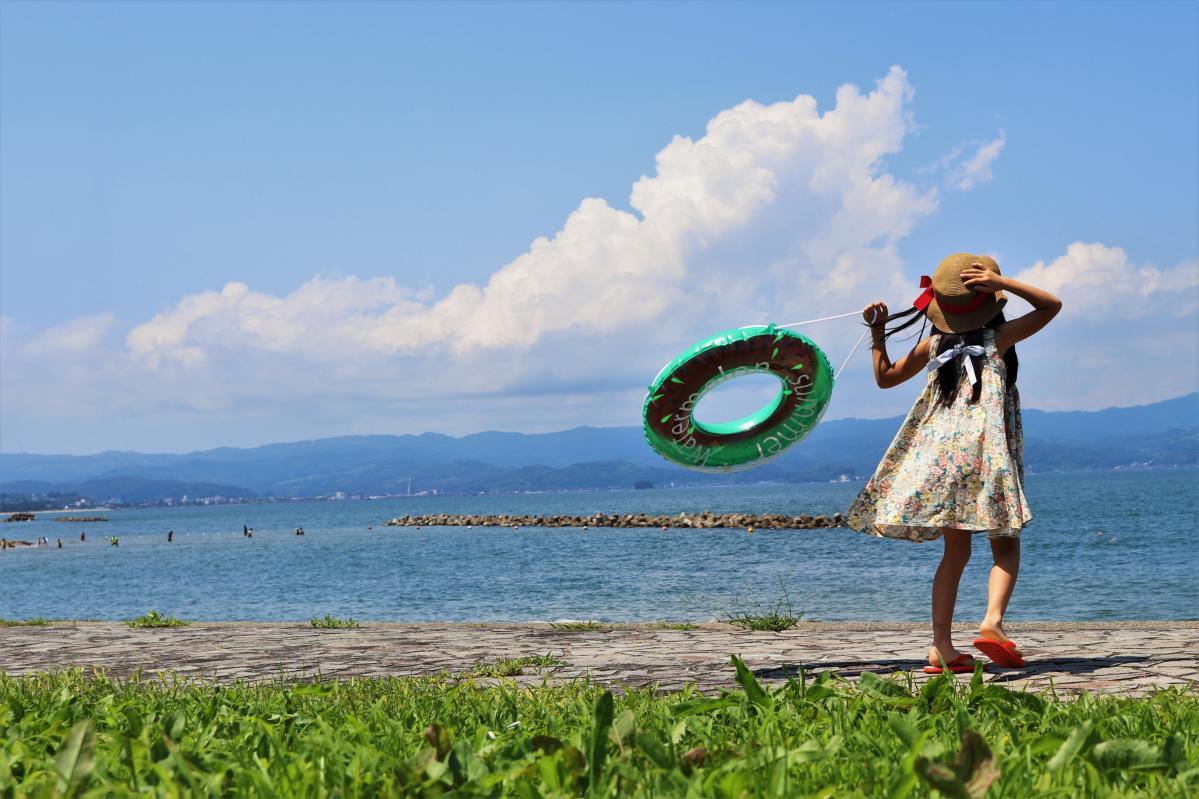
(1160, 434)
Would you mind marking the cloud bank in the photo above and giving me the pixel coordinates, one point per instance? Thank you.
(1128, 333)
(1103, 284)
(810, 183)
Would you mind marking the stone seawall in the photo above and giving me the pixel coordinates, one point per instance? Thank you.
(705, 520)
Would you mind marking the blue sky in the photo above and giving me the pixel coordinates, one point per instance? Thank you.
(150, 153)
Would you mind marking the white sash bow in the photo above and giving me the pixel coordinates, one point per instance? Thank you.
(959, 350)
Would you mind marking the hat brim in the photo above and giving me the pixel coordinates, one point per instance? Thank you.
(964, 323)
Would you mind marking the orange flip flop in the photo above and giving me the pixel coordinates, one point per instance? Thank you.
(1001, 652)
(962, 664)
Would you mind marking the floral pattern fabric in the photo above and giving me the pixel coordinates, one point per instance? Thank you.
(959, 466)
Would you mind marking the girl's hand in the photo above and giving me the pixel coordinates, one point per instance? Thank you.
(979, 278)
(875, 313)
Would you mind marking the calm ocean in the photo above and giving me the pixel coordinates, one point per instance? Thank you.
(1144, 566)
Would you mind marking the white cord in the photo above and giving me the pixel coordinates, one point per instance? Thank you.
(873, 316)
(821, 319)
(811, 322)
(850, 355)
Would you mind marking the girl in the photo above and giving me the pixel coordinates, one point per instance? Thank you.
(956, 467)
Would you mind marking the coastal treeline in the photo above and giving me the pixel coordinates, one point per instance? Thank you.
(54, 500)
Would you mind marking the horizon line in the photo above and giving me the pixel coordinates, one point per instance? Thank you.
(513, 432)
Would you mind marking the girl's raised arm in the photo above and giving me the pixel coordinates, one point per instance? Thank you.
(1044, 305)
(887, 374)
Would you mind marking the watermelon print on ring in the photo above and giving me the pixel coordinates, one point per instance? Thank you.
(805, 387)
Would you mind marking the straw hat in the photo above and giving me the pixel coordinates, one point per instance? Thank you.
(952, 306)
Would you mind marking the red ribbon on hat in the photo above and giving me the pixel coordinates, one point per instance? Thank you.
(924, 299)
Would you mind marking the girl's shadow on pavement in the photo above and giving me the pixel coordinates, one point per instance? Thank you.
(1032, 668)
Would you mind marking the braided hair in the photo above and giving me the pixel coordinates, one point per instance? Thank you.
(949, 376)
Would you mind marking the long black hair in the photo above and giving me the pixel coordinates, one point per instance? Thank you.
(949, 376)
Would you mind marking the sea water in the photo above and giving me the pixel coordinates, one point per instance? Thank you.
(1144, 565)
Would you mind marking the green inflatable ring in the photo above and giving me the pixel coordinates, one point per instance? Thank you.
(805, 387)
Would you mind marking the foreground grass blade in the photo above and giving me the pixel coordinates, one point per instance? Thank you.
(598, 750)
(1128, 754)
(74, 762)
(1079, 738)
(749, 683)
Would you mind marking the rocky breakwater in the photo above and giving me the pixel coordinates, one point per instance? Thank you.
(705, 520)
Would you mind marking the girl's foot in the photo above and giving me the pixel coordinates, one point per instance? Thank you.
(948, 654)
(994, 631)
(998, 647)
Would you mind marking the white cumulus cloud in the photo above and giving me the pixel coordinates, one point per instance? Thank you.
(321, 319)
(1102, 282)
(976, 169)
(1128, 333)
(80, 335)
(796, 196)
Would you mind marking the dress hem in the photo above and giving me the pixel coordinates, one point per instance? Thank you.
(922, 533)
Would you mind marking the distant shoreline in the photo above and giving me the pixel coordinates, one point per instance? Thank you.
(529, 492)
(1160, 435)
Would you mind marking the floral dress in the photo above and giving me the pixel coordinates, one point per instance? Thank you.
(959, 466)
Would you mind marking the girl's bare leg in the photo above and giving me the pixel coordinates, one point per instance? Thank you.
(1002, 582)
(945, 594)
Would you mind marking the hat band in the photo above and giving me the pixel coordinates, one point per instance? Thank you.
(963, 307)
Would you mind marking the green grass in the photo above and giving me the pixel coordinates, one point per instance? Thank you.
(36, 621)
(673, 625)
(512, 667)
(781, 616)
(578, 626)
(67, 734)
(155, 619)
(772, 621)
(330, 622)
(776, 619)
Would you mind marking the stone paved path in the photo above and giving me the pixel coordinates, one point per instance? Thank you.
(1121, 657)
